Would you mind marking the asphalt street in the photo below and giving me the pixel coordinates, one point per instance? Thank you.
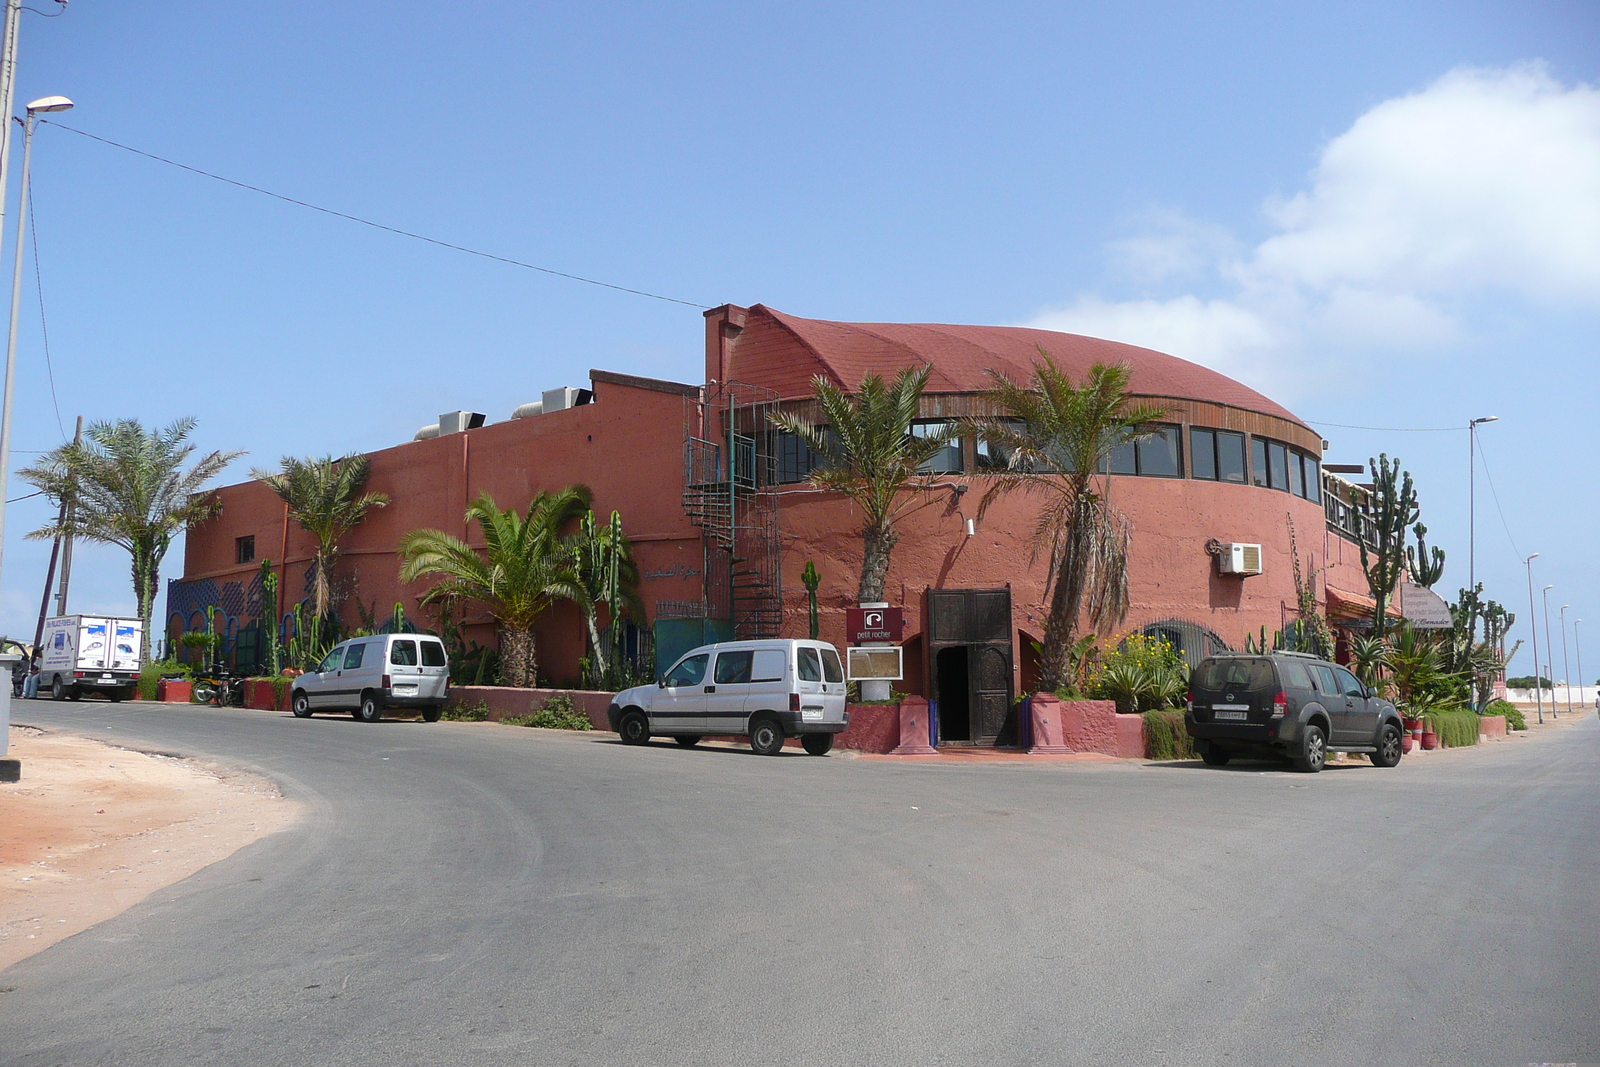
(476, 894)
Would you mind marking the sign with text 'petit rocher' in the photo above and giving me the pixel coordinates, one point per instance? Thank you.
(863, 625)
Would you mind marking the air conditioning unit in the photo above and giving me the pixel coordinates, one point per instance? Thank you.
(1239, 559)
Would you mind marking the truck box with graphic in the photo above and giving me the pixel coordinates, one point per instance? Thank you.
(91, 654)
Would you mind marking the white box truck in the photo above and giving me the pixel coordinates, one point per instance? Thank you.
(91, 654)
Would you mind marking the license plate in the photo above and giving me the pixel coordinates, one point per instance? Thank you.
(1231, 714)
(810, 714)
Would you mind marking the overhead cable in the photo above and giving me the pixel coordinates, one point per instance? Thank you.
(375, 225)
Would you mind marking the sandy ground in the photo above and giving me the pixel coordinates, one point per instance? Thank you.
(93, 829)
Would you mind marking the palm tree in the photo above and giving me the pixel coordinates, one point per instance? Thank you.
(528, 564)
(866, 450)
(129, 488)
(607, 575)
(1055, 438)
(324, 496)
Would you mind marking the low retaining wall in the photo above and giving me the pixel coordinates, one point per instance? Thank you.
(503, 701)
(173, 691)
(1491, 726)
(1084, 726)
(873, 728)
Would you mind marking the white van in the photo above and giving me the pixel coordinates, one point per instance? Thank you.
(766, 690)
(364, 675)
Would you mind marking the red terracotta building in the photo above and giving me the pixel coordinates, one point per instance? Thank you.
(723, 521)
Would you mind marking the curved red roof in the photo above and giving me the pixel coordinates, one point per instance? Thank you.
(960, 356)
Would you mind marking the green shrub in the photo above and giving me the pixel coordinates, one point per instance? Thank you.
(1456, 727)
(1514, 719)
(1142, 674)
(1164, 736)
(478, 712)
(154, 671)
(558, 713)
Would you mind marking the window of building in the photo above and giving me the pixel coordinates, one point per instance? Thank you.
(1156, 456)
(796, 461)
(991, 455)
(948, 459)
(244, 549)
(1218, 455)
(1278, 464)
(1305, 477)
(1258, 462)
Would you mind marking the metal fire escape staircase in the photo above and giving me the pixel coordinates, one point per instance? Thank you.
(729, 473)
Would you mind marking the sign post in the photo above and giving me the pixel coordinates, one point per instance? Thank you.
(875, 626)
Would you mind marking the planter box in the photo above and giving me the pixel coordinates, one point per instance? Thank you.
(174, 691)
(1491, 726)
(260, 694)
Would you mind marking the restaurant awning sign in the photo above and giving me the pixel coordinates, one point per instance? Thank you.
(871, 625)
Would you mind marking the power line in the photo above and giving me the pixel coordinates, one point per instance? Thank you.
(376, 225)
(1484, 459)
(1382, 429)
(44, 327)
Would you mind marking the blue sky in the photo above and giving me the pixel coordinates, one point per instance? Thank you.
(1379, 214)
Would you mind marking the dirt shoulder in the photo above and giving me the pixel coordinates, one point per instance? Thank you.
(92, 829)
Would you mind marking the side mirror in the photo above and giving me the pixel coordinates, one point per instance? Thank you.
(661, 682)
(1371, 692)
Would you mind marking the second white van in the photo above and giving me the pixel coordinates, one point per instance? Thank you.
(367, 674)
(765, 690)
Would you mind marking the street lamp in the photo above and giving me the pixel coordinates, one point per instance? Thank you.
(1549, 648)
(40, 106)
(1566, 670)
(1538, 695)
(1472, 500)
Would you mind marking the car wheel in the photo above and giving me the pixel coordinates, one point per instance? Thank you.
(431, 714)
(301, 704)
(57, 690)
(1389, 748)
(74, 693)
(371, 709)
(687, 740)
(1313, 751)
(1216, 756)
(817, 744)
(634, 728)
(766, 737)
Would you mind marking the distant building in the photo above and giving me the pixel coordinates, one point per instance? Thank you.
(723, 521)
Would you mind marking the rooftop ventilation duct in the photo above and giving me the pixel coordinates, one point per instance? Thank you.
(427, 432)
(528, 411)
(563, 398)
(456, 421)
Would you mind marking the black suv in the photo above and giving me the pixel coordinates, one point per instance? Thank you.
(1287, 704)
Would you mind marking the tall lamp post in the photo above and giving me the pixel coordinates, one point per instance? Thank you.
(38, 107)
(1566, 670)
(1549, 649)
(1472, 501)
(1538, 694)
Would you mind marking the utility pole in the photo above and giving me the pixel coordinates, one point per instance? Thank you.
(66, 547)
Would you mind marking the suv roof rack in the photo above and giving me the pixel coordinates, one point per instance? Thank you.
(1269, 652)
(1286, 652)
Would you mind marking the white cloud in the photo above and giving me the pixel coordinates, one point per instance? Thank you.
(1487, 182)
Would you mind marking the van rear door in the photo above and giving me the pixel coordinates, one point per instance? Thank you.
(435, 669)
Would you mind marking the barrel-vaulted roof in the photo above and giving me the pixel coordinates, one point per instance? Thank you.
(959, 358)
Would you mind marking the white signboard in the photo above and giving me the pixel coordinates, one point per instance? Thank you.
(874, 664)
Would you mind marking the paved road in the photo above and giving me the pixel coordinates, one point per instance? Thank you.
(466, 894)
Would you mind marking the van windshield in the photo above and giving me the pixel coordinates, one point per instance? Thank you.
(1240, 673)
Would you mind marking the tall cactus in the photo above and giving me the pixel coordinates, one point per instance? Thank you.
(273, 658)
(1392, 508)
(1426, 567)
